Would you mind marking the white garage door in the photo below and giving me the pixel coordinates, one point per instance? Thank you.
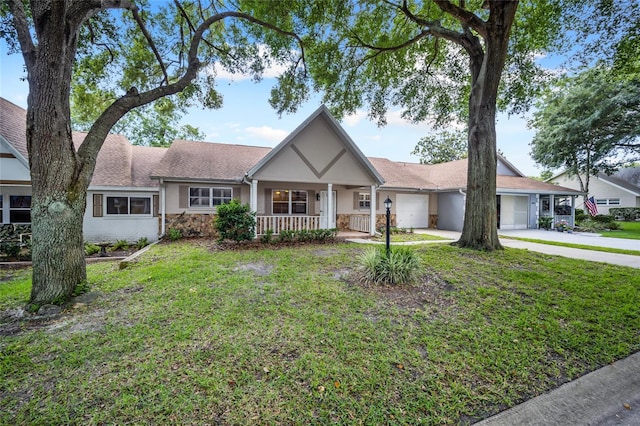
(513, 212)
(412, 211)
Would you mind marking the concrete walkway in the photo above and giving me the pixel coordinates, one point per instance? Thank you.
(586, 239)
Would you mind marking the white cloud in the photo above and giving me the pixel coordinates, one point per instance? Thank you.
(267, 133)
(272, 71)
(353, 119)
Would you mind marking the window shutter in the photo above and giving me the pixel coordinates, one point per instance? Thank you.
(311, 209)
(267, 202)
(97, 205)
(156, 205)
(356, 200)
(183, 197)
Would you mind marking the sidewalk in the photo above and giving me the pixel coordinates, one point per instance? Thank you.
(598, 398)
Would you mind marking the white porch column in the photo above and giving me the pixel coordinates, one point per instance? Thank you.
(330, 216)
(573, 211)
(163, 207)
(253, 196)
(552, 210)
(372, 208)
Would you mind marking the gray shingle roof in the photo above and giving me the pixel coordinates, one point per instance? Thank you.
(13, 126)
(208, 161)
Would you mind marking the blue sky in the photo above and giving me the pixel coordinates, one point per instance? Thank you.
(246, 118)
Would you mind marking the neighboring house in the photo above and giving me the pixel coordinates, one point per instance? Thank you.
(621, 189)
(316, 178)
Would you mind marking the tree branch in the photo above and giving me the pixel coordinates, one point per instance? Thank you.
(152, 45)
(99, 130)
(21, 24)
(466, 18)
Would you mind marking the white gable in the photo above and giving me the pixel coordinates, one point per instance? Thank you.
(316, 153)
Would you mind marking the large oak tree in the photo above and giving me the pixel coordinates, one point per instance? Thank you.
(441, 61)
(167, 50)
(588, 124)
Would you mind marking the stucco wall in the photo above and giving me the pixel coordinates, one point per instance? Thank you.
(450, 211)
(599, 188)
(109, 228)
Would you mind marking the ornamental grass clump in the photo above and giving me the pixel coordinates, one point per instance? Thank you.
(397, 268)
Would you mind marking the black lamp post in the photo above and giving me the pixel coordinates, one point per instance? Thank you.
(387, 204)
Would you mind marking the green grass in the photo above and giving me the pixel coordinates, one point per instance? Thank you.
(630, 230)
(578, 246)
(284, 336)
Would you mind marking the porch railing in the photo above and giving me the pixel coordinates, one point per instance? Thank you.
(290, 223)
(360, 222)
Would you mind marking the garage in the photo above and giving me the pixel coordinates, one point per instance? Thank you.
(513, 212)
(412, 211)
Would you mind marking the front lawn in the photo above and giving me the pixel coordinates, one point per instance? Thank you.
(629, 230)
(191, 335)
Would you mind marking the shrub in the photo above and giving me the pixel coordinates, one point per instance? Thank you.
(235, 221)
(397, 268)
(142, 243)
(604, 218)
(323, 234)
(590, 225)
(120, 245)
(174, 234)
(286, 236)
(545, 222)
(614, 226)
(581, 215)
(626, 213)
(267, 237)
(10, 249)
(90, 249)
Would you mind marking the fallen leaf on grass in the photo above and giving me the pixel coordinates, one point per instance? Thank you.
(321, 388)
(400, 366)
(336, 384)
(627, 406)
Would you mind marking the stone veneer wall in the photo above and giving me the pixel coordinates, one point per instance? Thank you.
(192, 225)
(343, 220)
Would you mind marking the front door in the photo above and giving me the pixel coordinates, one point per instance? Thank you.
(324, 210)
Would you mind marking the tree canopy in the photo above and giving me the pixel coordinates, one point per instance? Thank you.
(440, 147)
(589, 123)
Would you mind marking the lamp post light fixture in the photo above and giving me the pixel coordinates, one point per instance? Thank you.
(387, 204)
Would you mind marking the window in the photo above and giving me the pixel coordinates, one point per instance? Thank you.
(129, 205)
(364, 200)
(289, 201)
(20, 209)
(608, 201)
(209, 197)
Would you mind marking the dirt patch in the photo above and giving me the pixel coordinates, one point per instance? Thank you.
(258, 268)
(428, 292)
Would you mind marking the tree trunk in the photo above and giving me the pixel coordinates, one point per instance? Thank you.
(480, 229)
(58, 186)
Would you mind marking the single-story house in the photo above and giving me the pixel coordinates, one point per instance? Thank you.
(621, 189)
(317, 177)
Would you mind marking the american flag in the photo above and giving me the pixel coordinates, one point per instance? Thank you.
(591, 206)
